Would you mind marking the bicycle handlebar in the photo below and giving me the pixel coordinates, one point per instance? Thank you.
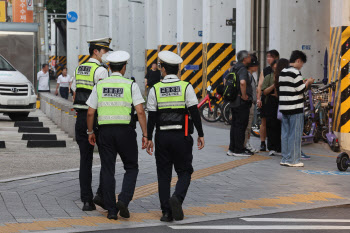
(328, 85)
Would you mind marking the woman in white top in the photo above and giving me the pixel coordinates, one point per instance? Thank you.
(63, 83)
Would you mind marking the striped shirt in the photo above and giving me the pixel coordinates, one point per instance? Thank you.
(291, 89)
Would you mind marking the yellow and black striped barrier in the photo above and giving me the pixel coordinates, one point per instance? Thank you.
(61, 63)
(192, 55)
(171, 48)
(83, 59)
(339, 63)
(217, 58)
(151, 56)
(51, 58)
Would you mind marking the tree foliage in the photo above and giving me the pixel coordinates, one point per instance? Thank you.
(56, 5)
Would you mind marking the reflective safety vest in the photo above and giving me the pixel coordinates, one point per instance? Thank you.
(114, 101)
(84, 75)
(171, 105)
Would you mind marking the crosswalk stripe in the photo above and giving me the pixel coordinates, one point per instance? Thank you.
(293, 220)
(262, 227)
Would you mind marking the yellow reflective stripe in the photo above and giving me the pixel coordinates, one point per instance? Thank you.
(84, 82)
(114, 118)
(169, 127)
(80, 106)
(114, 104)
(171, 104)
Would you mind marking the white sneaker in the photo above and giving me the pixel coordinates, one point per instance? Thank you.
(244, 154)
(272, 153)
(230, 153)
(283, 164)
(295, 165)
(252, 149)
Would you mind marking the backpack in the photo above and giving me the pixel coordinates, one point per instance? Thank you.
(232, 87)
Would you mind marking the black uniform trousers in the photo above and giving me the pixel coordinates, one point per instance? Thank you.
(118, 139)
(86, 157)
(172, 148)
(240, 119)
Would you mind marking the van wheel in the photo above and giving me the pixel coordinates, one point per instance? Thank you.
(18, 116)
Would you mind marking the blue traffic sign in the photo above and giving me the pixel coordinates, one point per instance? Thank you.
(191, 67)
(72, 16)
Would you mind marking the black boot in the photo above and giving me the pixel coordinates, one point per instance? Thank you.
(167, 217)
(98, 200)
(123, 209)
(176, 208)
(89, 206)
(112, 215)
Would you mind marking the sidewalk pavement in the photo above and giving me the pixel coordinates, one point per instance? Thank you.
(222, 187)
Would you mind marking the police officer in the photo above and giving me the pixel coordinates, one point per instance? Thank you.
(169, 101)
(86, 76)
(116, 98)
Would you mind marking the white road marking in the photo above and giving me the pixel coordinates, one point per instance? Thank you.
(292, 220)
(261, 227)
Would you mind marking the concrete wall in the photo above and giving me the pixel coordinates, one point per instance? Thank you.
(189, 20)
(215, 13)
(297, 23)
(166, 18)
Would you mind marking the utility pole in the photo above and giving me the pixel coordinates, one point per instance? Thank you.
(39, 10)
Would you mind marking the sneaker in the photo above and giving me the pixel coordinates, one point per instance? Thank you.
(295, 165)
(246, 150)
(263, 146)
(230, 153)
(243, 154)
(272, 153)
(283, 163)
(305, 157)
(252, 149)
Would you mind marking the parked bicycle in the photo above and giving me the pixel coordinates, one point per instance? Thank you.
(210, 107)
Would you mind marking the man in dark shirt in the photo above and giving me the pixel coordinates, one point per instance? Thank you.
(241, 107)
(153, 76)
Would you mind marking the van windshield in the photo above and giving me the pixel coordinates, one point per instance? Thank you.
(5, 66)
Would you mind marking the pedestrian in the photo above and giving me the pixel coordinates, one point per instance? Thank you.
(270, 57)
(116, 98)
(252, 68)
(270, 90)
(169, 104)
(63, 83)
(291, 105)
(86, 76)
(240, 107)
(152, 77)
(224, 76)
(43, 79)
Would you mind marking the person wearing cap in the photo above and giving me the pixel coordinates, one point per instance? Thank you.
(252, 68)
(116, 98)
(169, 103)
(86, 76)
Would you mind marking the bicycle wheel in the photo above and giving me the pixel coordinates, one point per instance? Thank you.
(210, 115)
(227, 113)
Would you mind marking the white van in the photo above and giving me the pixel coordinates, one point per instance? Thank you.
(17, 96)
